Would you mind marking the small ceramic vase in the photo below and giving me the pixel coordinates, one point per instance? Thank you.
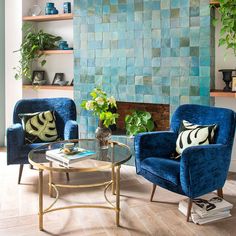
(103, 134)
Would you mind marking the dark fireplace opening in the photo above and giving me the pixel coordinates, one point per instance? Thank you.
(160, 115)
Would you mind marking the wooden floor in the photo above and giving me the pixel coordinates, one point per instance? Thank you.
(18, 208)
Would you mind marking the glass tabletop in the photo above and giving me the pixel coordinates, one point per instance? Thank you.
(116, 154)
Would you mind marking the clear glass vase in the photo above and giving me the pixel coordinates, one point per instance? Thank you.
(103, 134)
(35, 10)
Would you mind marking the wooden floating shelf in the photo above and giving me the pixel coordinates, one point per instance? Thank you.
(220, 93)
(215, 3)
(57, 52)
(47, 87)
(43, 18)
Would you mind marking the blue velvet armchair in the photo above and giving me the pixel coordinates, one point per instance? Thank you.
(67, 127)
(200, 169)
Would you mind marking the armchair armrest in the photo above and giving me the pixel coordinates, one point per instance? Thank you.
(71, 130)
(153, 144)
(15, 140)
(204, 168)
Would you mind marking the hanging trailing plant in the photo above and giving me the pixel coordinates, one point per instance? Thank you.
(227, 12)
(33, 43)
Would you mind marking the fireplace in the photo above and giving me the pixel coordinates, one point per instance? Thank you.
(160, 115)
(150, 59)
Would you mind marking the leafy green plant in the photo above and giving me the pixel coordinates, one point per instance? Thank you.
(101, 105)
(227, 12)
(33, 43)
(138, 122)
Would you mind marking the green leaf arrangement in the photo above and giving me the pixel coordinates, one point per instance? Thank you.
(227, 11)
(33, 43)
(138, 122)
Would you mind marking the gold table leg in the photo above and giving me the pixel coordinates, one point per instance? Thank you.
(41, 200)
(118, 196)
(113, 176)
(50, 181)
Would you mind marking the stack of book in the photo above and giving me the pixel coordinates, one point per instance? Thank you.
(60, 157)
(207, 208)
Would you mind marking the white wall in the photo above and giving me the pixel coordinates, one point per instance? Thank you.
(61, 63)
(2, 73)
(228, 63)
(41, 93)
(13, 36)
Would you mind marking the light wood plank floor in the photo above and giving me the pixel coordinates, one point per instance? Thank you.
(18, 207)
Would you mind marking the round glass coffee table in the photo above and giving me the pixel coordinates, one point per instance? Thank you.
(104, 159)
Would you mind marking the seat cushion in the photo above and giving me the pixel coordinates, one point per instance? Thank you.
(165, 168)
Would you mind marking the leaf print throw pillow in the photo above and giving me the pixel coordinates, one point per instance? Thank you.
(193, 135)
(39, 127)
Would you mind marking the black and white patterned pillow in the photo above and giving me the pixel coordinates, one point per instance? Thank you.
(193, 135)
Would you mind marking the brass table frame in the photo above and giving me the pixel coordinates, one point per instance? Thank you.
(114, 183)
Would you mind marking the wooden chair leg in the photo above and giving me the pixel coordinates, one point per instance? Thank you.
(20, 172)
(67, 176)
(220, 192)
(153, 191)
(190, 203)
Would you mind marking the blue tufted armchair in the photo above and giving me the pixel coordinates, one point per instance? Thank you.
(200, 169)
(67, 127)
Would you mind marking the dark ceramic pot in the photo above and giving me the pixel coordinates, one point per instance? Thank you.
(67, 7)
(227, 78)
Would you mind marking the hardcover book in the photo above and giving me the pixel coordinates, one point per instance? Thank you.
(209, 204)
(207, 208)
(199, 220)
(60, 157)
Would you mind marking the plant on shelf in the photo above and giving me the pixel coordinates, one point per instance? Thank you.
(33, 43)
(228, 19)
(100, 105)
(138, 122)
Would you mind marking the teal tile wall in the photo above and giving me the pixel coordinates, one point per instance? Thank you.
(154, 51)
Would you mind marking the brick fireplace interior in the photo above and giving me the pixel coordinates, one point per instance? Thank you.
(160, 115)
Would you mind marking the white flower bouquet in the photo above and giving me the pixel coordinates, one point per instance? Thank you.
(101, 105)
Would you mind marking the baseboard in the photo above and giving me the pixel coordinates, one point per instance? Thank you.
(232, 167)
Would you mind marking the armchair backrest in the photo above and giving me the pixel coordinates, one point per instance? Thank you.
(205, 115)
(64, 108)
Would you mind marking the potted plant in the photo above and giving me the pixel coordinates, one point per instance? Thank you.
(138, 122)
(227, 34)
(228, 20)
(101, 105)
(31, 49)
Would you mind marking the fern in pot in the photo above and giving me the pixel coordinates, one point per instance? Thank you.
(31, 49)
(138, 122)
